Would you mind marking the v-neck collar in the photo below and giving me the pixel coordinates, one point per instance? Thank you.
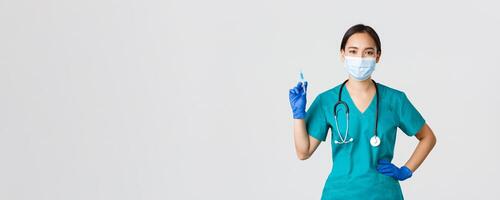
(373, 101)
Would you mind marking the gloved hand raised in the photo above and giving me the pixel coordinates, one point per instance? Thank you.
(297, 97)
(387, 168)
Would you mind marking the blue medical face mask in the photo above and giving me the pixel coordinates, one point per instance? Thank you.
(359, 68)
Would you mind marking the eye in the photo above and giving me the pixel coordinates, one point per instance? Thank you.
(352, 51)
(370, 53)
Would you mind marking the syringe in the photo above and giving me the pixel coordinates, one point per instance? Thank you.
(302, 80)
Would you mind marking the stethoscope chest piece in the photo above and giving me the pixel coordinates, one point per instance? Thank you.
(375, 141)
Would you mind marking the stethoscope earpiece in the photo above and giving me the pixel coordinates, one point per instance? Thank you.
(344, 142)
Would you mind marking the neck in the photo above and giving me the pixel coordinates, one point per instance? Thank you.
(360, 86)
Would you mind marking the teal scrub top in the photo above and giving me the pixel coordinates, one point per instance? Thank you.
(354, 172)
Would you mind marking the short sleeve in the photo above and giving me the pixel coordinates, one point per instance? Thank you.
(316, 123)
(410, 120)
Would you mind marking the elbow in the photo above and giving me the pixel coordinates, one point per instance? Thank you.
(430, 140)
(434, 140)
(303, 156)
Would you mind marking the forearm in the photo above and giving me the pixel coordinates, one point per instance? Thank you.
(301, 138)
(424, 147)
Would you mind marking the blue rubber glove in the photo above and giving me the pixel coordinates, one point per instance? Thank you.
(297, 97)
(387, 168)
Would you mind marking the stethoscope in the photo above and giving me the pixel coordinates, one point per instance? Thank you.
(375, 140)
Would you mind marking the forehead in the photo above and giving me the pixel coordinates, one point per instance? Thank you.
(361, 41)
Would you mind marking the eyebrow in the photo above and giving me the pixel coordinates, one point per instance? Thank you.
(369, 48)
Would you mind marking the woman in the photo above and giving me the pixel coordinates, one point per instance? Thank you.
(364, 127)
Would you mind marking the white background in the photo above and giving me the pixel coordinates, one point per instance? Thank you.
(107, 99)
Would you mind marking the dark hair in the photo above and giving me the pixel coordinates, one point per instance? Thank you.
(361, 28)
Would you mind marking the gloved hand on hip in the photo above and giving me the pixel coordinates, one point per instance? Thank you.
(387, 168)
(297, 97)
